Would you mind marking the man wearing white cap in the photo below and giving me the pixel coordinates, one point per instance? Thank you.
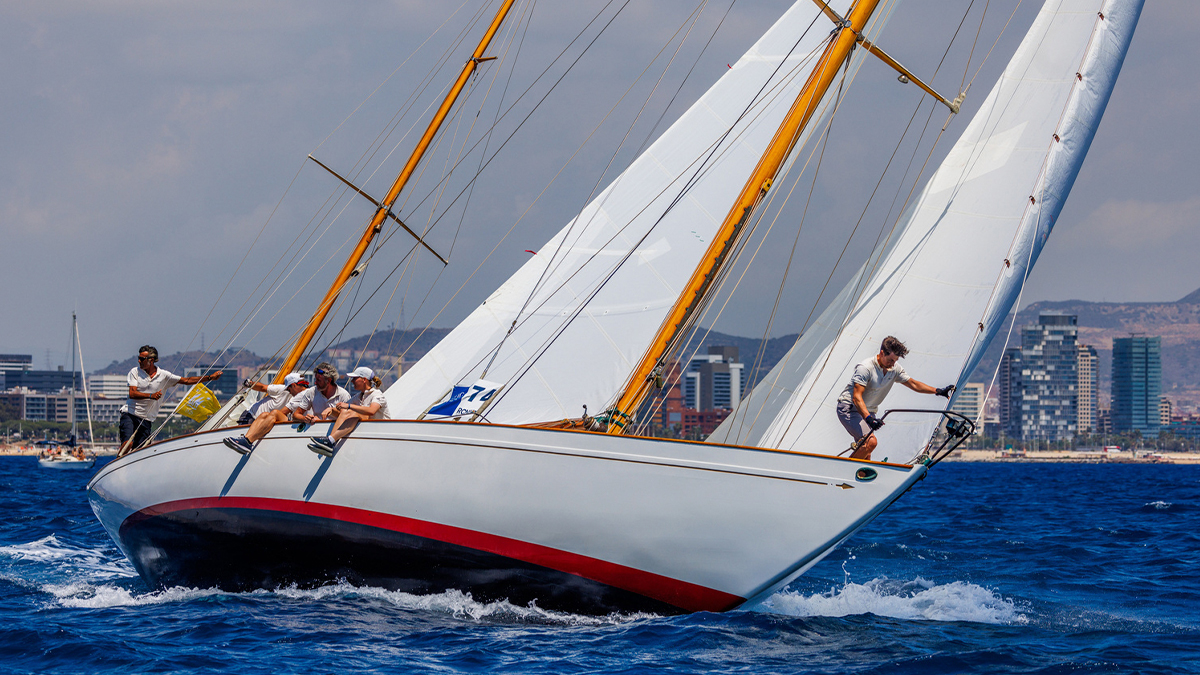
(368, 404)
(277, 395)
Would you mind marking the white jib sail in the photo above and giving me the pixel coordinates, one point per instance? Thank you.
(964, 246)
(595, 295)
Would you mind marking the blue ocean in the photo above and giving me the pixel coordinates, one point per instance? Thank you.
(982, 568)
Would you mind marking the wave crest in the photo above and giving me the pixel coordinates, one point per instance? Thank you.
(455, 603)
(916, 599)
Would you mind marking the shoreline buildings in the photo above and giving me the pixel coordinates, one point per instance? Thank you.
(1039, 381)
(1137, 384)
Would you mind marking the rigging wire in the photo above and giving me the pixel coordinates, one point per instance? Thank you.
(280, 278)
(520, 125)
(705, 164)
(410, 256)
(284, 254)
(879, 259)
(694, 336)
(523, 24)
(551, 266)
(271, 215)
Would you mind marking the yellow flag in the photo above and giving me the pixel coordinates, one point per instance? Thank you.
(199, 404)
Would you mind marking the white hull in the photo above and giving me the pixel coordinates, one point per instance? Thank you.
(580, 521)
(70, 464)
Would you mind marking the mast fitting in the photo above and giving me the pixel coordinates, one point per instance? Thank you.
(906, 75)
(388, 212)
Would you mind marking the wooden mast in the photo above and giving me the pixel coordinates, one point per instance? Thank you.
(793, 125)
(385, 205)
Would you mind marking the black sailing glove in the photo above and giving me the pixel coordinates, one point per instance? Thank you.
(873, 422)
(945, 391)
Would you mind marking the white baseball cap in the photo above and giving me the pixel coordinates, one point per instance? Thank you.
(290, 379)
(362, 371)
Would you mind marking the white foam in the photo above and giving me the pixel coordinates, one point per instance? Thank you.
(61, 558)
(1160, 505)
(455, 603)
(89, 596)
(917, 599)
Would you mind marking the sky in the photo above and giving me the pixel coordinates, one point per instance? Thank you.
(154, 167)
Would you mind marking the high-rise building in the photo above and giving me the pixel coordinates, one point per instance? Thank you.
(1087, 390)
(1164, 411)
(1009, 379)
(1136, 384)
(714, 381)
(969, 400)
(1039, 380)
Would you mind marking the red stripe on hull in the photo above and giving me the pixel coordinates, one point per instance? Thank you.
(686, 596)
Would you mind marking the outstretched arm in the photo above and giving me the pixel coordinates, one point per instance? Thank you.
(200, 378)
(922, 388)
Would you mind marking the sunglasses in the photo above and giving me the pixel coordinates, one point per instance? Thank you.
(318, 371)
(145, 358)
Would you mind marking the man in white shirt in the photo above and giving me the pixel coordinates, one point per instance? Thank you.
(368, 404)
(147, 383)
(308, 406)
(870, 384)
(276, 395)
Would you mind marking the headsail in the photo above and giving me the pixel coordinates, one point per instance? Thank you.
(588, 303)
(963, 249)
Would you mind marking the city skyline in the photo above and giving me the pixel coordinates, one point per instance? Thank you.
(145, 157)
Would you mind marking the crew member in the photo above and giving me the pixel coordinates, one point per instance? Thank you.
(277, 395)
(147, 383)
(368, 404)
(308, 406)
(870, 384)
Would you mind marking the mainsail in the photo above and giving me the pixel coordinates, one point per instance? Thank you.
(587, 304)
(963, 249)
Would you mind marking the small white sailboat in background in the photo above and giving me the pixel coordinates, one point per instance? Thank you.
(503, 504)
(72, 456)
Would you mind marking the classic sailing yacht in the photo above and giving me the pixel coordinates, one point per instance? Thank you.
(491, 482)
(77, 457)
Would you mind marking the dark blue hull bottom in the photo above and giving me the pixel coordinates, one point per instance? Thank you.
(240, 549)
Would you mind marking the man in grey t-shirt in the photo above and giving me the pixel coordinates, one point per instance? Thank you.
(870, 384)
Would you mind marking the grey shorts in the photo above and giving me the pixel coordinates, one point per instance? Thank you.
(848, 415)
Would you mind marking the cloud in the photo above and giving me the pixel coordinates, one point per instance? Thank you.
(1131, 226)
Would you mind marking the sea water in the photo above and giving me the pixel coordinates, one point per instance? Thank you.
(982, 568)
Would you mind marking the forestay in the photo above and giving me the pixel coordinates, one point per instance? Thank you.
(598, 291)
(964, 247)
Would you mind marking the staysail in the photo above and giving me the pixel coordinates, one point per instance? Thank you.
(963, 249)
(587, 304)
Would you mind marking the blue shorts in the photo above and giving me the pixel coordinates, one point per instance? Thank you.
(132, 426)
(854, 423)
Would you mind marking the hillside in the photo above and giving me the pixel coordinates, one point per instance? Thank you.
(1099, 322)
(179, 361)
(412, 343)
(1178, 323)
